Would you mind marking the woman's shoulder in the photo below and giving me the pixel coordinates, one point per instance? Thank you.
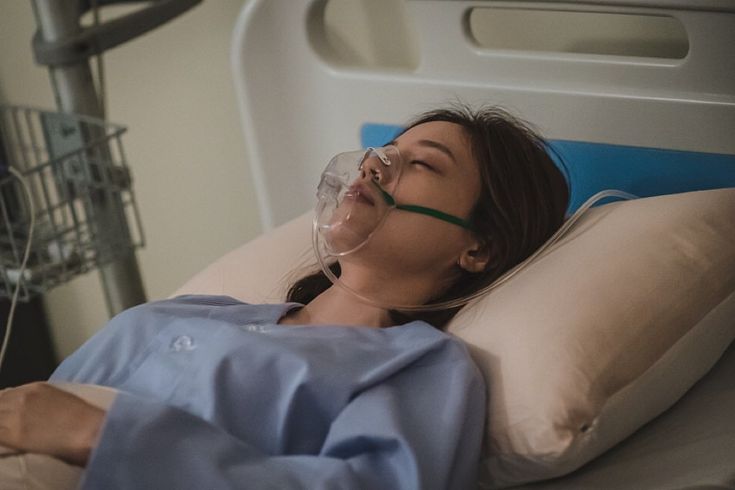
(437, 345)
(200, 299)
(223, 308)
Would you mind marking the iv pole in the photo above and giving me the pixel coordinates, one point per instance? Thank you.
(63, 45)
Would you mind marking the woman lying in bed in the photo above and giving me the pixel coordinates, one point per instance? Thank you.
(335, 388)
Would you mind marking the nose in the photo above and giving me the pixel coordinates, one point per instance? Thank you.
(371, 168)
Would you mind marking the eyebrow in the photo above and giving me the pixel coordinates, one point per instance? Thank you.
(436, 145)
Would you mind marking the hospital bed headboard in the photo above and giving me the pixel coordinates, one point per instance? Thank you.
(643, 124)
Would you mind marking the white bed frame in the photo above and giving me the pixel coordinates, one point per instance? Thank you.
(300, 106)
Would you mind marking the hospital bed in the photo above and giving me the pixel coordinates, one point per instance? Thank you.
(651, 124)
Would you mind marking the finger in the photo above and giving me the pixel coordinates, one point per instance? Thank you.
(6, 403)
(7, 397)
(8, 436)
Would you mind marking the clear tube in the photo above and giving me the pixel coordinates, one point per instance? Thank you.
(497, 283)
(24, 263)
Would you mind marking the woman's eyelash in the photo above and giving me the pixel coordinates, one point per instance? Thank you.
(423, 163)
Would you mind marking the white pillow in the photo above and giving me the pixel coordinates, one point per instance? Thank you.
(261, 270)
(595, 338)
(604, 332)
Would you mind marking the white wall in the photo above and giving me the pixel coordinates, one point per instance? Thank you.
(173, 89)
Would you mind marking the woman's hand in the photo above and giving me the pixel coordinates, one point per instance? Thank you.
(42, 419)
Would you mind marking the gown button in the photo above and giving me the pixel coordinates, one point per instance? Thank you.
(183, 343)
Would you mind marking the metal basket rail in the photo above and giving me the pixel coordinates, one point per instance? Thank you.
(81, 189)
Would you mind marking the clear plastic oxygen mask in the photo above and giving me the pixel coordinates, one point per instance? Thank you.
(350, 203)
(354, 197)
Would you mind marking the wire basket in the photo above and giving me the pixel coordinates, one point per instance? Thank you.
(81, 190)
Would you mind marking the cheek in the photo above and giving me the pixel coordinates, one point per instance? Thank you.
(416, 241)
(454, 197)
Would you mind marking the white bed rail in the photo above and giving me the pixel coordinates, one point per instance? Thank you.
(300, 104)
(702, 5)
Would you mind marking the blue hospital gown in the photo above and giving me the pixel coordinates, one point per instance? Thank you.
(216, 395)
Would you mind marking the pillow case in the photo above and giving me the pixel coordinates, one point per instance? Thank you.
(603, 332)
(600, 334)
(260, 270)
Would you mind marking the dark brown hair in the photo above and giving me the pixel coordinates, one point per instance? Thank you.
(522, 203)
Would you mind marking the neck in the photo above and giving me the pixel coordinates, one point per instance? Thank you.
(385, 286)
(336, 306)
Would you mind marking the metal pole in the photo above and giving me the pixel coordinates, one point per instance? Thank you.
(74, 92)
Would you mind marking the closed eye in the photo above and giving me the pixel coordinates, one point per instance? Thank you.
(423, 164)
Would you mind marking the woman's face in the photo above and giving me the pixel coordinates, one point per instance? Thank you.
(440, 173)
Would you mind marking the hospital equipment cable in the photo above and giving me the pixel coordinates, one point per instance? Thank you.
(26, 254)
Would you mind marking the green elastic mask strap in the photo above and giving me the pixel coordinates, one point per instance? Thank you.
(423, 210)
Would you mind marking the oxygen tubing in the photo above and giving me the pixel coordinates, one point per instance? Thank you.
(561, 232)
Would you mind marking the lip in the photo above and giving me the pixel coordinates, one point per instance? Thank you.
(360, 193)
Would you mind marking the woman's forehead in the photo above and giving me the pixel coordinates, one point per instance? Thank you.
(450, 135)
(444, 130)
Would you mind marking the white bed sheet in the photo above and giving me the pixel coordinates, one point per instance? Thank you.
(690, 446)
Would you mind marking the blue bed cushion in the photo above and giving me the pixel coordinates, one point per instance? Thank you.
(592, 167)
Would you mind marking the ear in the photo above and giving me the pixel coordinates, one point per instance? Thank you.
(475, 257)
